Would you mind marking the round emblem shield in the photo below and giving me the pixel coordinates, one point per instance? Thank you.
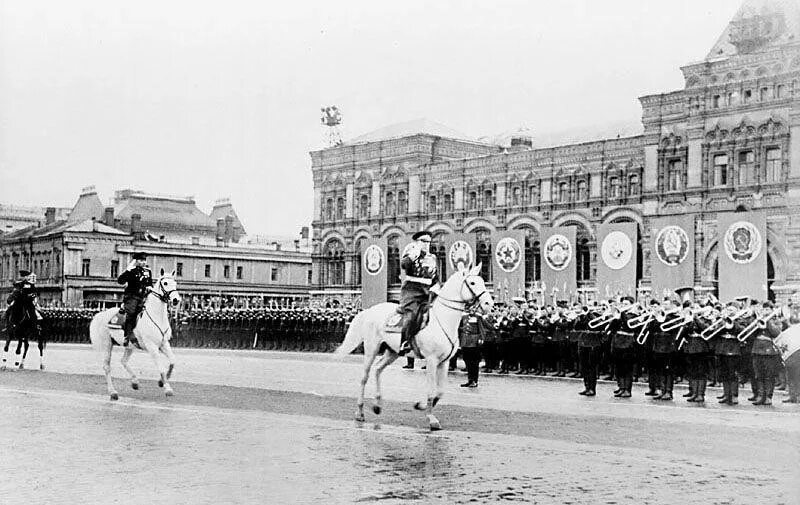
(508, 254)
(672, 245)
(460, 255)
(373, 260)
(742, 242)
(557, 252)
(616, 250)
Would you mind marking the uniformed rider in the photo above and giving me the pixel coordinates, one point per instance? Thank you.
(138, 278)
(23, 308)
(421, 274)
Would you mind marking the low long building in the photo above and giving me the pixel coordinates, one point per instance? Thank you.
(77, 260)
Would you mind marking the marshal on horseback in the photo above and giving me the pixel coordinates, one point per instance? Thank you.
(23, 319)
(435, 342)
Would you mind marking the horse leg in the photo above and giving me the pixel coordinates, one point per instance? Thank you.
(42, 344)
(107, 369)
(167, 350)
(387, 359)
(153, 352)
(25, 346)
(126, 356)
(431, 372)
(17, 352)
(369, 358)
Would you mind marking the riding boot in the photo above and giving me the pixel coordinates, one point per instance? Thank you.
(693, 389)
(726, 393)
(652, 385)
(769, 386)
(691, 392)
(754, 385)
(733, 391)
(762, 392)
(619, 389)
(667, 394)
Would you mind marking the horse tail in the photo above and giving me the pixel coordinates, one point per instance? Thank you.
(353, 337)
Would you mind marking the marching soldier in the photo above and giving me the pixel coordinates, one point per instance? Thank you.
(664, 347)
(727, 348)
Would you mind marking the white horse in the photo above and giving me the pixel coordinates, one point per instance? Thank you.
(436, 343)
(152, 331)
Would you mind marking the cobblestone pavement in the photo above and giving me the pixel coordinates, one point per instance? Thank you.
(275, 428)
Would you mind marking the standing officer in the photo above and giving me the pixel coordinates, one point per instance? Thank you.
(421, 272)
(470, 340)
(137, 278)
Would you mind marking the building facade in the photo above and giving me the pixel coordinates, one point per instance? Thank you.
(77, 260)
(729, 140)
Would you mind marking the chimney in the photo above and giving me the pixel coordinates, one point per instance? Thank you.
(229, 229)
(108, 216)
(50, 215)
(220, 232)
(297, 244)
(136, 227)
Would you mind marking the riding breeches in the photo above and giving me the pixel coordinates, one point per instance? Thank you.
(131, 307)
(412, 310)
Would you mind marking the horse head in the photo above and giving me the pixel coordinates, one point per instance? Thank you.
(467, 286)
(167, 288)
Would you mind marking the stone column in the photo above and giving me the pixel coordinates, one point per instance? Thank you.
(375, 208)
(348, 201)
(414, 194)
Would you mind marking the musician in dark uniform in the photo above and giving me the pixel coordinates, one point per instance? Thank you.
(137, 279)
(727, 349)
(766, 356)
(664, 348)
(420, 268)
(622, 348)
(471, 333)
(590, 340)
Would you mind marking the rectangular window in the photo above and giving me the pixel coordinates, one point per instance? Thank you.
(208, 271)
(748, 96)
(744, 167)
(46, 270)
(239, 272)
(226, 271)
(85, 267)
(114, 268)
(675, 175)
(730, 99)
(764, 94)
(780, 91)
(310, 277)
(773, 168)
(715, 102)
(179, 269)
(274, 274)
(721, 170)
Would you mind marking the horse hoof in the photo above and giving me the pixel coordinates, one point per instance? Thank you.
(419, 406)
(360, 419)
(114, 396)
(135, 385)
(435, 427)
(376, 409)
(169, 392)
(160, 383)
(41, 367)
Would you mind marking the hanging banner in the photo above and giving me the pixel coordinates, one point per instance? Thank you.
(671, 254)
(460, 249)
(742, 253)
(508, 264)
(617, 245)
(558, 263)
(374, 266)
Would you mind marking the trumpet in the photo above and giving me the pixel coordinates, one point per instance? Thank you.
(759, 323)
(725, 323)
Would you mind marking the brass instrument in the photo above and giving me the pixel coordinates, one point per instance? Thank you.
(724, 323)
(645, 331)
(601, 320)
(759, 323)
(678, 322)
(642, 319)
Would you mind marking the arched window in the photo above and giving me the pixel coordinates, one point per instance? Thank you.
(613, 187)
(675, 175)
(516, 196)
(340, 208)
(333, 263)
(533, 263)
(720, 170)
(432, 204)
(488, 199)
(363, 206)
(402, 202)
(583, 260)
(390, 210)
(448, 202)
(440, 251)
(581, 191)
(563, 192)
(744, 167)
(633, 184)
(472, 201)
(393, 260)
(533, 194)
(329, 209)
(484, 253)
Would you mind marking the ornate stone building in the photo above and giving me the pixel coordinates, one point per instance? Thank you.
(729, 140)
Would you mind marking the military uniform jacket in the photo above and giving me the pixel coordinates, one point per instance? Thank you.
(520, 328)
(663, 341)
(560, 329)
(469, 331)
(623, 337)
(23, 302)
(763, 344)
(137, 280)
(588, 337)
(694, 342)
(726, 342)
(421, 273)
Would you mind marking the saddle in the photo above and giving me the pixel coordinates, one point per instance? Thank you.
(394, 323)
(116, 327)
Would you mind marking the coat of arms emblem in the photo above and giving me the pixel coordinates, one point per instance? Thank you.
(672, 245)
(616, 250)
(373, 260)
(508, 254)
(460, 255)
(742, 242)
(557, 252)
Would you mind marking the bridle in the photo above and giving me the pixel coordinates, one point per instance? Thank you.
(465, 306)
(163, 295)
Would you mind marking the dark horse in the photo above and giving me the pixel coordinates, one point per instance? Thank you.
(22, 324)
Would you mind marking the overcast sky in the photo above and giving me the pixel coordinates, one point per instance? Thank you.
(218, 99)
